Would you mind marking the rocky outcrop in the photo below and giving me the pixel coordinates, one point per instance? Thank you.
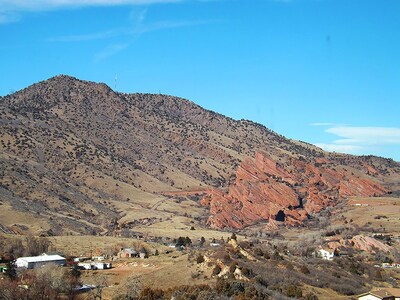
(287, 190)
(361, 242)
(369, 244)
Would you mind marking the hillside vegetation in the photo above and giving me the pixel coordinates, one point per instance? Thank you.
(78, 158)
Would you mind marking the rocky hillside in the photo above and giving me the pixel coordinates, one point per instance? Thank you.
(77, 157)
(288, 190)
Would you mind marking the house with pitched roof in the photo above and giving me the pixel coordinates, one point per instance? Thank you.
(381, 294)
(127, 252)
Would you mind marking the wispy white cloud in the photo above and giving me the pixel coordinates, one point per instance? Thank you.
(137, 30)
(171, 24)
(131, 34)
(134, 34)
(87, 37)
(40, 5)
(366, 135)
(136, 16)
(11, 10)
(360, 140)
(8, 17)
(109, 51)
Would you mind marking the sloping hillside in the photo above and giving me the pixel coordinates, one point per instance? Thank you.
(77, 158)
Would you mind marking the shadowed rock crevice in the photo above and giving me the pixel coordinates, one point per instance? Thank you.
(280, 216)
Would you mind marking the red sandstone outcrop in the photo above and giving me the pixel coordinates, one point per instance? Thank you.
(369, 244)
(361, 242)
(286, 191)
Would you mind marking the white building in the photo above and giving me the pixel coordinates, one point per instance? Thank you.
(31, 262)
(327, 254)
(102, 265)
(85, 266)
(95, 265)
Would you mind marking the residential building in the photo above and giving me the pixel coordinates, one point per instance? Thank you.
(127, 252)
(381, 294)
(326, 253)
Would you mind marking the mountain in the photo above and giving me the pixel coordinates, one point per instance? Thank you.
(78, 158)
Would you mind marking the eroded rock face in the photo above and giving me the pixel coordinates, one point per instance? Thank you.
(287, 191)
(361, 242)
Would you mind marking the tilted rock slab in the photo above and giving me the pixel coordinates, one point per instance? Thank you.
(287, 191)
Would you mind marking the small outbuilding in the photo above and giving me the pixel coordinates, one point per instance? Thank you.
(326, 253)
(102, 265)
(127, 252)
(32, 262)
(95, 265)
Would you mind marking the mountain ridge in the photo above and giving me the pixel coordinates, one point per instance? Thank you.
(83, 157)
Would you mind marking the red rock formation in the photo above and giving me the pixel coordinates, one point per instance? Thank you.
(362, 242)
(283, 191)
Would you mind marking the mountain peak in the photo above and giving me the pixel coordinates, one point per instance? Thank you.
(68, 79)
(55, 90)
(63, 76)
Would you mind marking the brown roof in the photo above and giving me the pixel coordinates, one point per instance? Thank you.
(386, 293)
(394, 291)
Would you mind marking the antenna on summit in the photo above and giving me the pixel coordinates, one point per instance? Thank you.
(115, 82)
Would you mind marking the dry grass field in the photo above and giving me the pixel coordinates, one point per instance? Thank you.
(164, 271)
(381, 213)
(326, 294)
(169, 269)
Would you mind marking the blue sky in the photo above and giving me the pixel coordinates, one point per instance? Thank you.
(322, 71)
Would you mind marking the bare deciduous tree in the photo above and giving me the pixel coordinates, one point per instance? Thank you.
(36, 245)
(50, 282)
(131, 289)
(100, 282)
